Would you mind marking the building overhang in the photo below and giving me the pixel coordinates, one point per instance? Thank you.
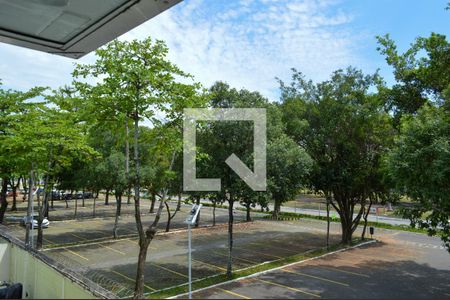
(73, 28)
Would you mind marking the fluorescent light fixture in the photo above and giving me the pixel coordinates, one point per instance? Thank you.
(73, 28)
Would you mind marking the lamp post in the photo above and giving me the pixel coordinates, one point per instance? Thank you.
(190, 220)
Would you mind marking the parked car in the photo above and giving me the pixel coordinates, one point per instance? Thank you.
(85, 195)
(45, 222)
(56, 195)
(67, 196)
(10, 193)
(38, 191)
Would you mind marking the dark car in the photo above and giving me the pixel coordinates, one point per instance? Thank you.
(67, 196)
(56, 195)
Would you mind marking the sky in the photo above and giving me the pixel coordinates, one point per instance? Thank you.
(249, 43)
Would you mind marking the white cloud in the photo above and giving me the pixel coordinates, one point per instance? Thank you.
(249, 42)
(22, 68)
(244, 42)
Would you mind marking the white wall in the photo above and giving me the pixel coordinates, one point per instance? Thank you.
(39, 280)
(5, 252)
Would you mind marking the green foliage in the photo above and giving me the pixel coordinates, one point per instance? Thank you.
(422, 73)
(343, 127)
(137, 82)
(420, 163)
(287, 163)
(287, 166)
(18, 120)
(218, 140)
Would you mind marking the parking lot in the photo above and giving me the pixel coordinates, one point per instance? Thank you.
(86, 245)
(87, 229)
(402, 265)
(112, 263)
(399, 263)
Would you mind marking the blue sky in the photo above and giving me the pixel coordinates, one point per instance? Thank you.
(248, 43)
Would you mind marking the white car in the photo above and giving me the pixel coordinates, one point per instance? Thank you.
(45, 223)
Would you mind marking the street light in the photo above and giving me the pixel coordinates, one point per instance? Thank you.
(190, 220)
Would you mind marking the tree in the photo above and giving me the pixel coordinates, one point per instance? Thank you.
(158, 171)
(215, 199)
(288, 166)
(60, 141)
(422, 73)
(344, 128)
(218, 140)
(420, 163)
(16, 112)
(137, 82)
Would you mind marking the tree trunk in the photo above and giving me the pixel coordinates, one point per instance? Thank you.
(345, 208)
(366, 215)
(276, 209)
(28, 241)
(14, 189)
(230, 238)
(3, 201)
(214, 213)
(39, 236)
(76, 207)
(43, 211)
(51, 199)
(347, 231)
(144, 239)
(47, 208)
(328, 198)
(95, 202)
(82, 199)
(116, 220)
(169, 217)
(152, 206)
(107, 197)
(179, 202)
(25, 189)
(139, 285)
(127, 159)
(129, 196)
(197, 222)
(248, 217)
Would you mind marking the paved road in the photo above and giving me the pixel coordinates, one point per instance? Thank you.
(402, 265)
(371, 218)
(316, 212)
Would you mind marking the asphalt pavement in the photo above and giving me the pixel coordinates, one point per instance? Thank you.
(401, 265)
